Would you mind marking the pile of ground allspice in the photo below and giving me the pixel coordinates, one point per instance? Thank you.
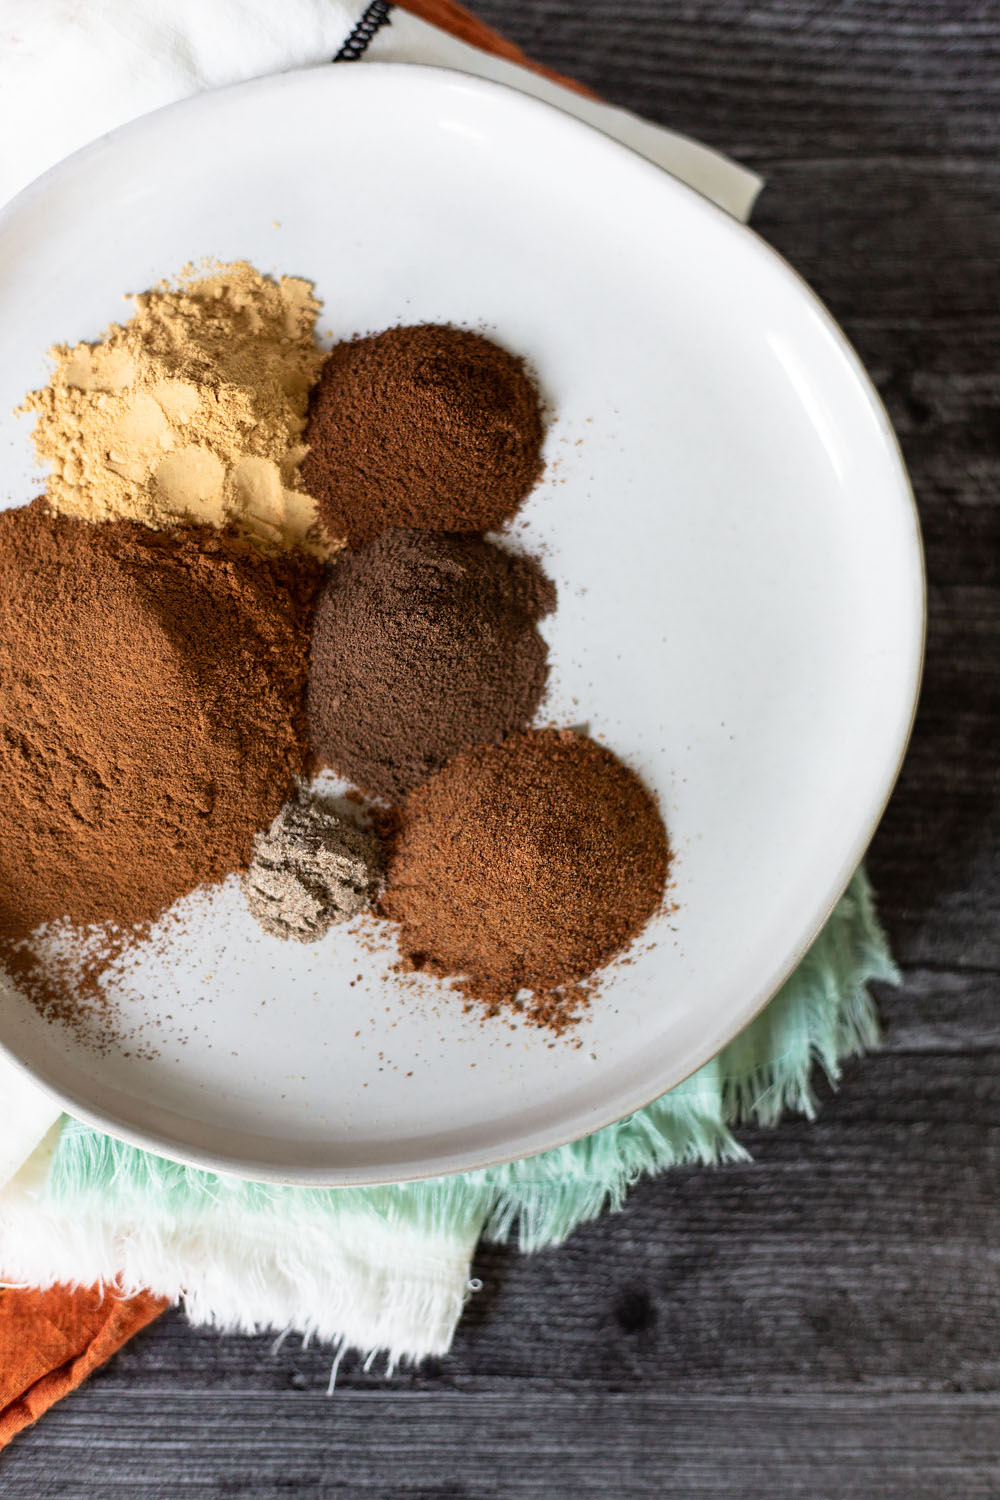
(254, 562)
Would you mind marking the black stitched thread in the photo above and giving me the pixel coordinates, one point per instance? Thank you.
(373, 18)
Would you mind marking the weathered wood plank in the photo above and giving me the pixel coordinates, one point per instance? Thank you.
(939, 1010)
(784, 78)
(445, 1447)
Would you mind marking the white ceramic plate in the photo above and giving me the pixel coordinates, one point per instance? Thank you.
(725, 514)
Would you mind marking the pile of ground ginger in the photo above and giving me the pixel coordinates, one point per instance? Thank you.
(193, 410)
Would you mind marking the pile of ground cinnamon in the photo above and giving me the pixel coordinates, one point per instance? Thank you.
(193, 410)
(423, 644)
(521, 868)
(151, 711)
(427, 426)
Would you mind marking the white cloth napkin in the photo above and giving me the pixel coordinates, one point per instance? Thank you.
(27, 1114)
(69, 72)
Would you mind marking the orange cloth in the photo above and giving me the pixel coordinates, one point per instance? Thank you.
(51, 1341)
(469, 28)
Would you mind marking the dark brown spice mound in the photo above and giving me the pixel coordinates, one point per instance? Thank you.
(525, 866)
(151, 712)
(425, 426)
(423, 644)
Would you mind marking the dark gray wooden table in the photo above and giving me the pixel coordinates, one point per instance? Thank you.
(826, 1323)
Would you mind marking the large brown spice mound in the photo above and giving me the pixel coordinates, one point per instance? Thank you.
(151, 711)
(425, 426)
(525, 866)
(424, 644)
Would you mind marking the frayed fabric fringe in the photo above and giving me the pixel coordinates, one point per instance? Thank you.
(386, 1270)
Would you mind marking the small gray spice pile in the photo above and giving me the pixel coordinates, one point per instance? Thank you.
(311, 869)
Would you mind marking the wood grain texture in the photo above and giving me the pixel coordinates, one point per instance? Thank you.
(825, 1323)
(652, 1444)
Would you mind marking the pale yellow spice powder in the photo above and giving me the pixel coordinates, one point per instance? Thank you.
(193, 410)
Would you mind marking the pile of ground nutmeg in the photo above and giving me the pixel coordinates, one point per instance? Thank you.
(423, 644)
(521, 868)
(426, 426)
(151, 711)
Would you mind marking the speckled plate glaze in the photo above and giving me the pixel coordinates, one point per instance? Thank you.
(726, 516)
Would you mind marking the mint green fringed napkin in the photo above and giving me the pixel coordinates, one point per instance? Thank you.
(387, 1269)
